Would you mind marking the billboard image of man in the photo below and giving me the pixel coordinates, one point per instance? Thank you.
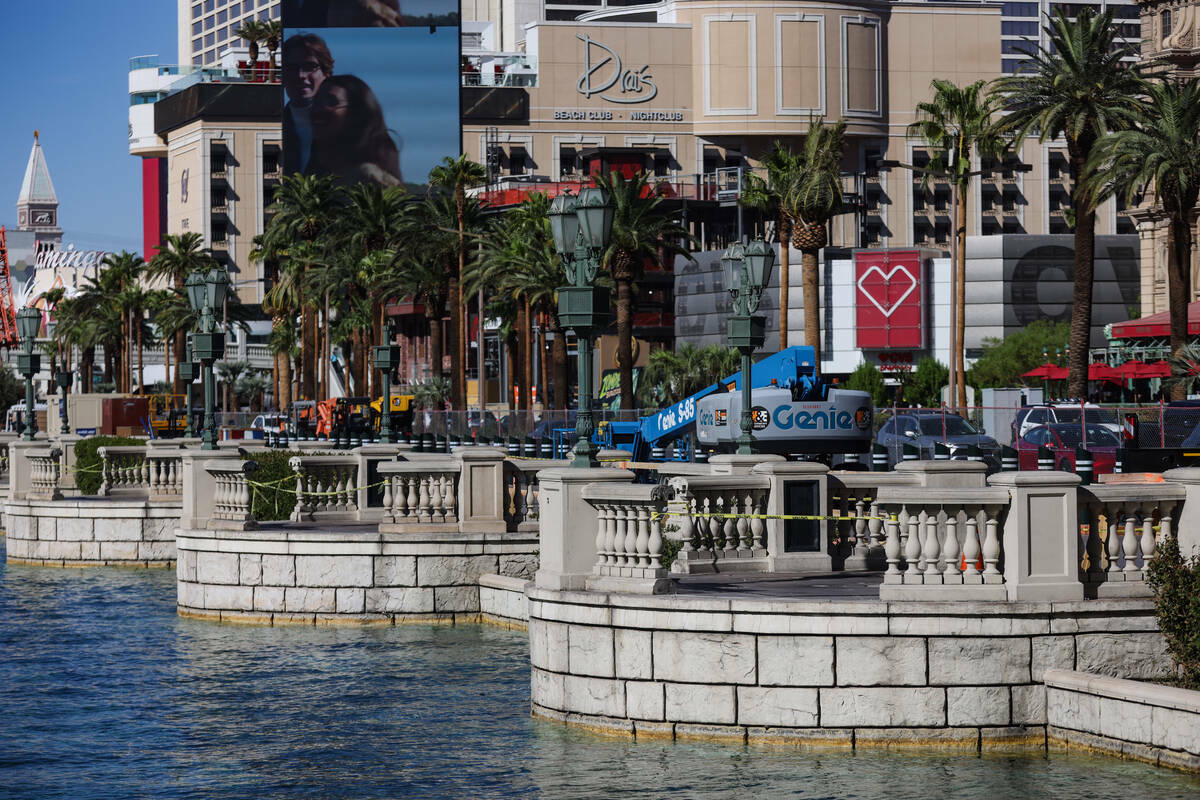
(307, 62)
(342, 13)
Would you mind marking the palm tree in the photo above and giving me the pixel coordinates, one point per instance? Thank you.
(1162, 151)
(272, 34)
(1079, 88)
(179, 256)
(457, 175)
(307, 209)
(672, 375)
(809, 201)
(783, 170)
(957, 125)
(253, 31)
(643, 232)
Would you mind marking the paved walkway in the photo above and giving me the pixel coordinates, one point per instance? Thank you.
(840, 585)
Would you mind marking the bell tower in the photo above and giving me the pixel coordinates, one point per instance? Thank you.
(37, 205)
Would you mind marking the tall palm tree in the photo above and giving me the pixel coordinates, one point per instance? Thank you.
(957, 124)
(783, 170)
(1077, 87)
(643, 233)
(457, 175)
(306, 209)
(1161, 151)
(809, 201)
(252, 31)
(178, 256)
(272, 35)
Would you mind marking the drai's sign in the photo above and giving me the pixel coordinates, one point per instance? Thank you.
(609, 79)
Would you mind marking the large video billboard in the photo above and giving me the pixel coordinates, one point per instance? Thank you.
(371, 88)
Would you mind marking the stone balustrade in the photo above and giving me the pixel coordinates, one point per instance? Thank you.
(128, 471)
(858, 520)
(231, 496)
(629, 537)
(45, 470)
(166, 473)
(422, 492)
(945, 538)
(1121, 525)
(720, 524)
(5, 438)
(326, 487)
(521, 489)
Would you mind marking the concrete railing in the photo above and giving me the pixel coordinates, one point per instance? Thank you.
(521, 489)
(1124, 523)
(944, 538)
(5, 438)
(857, 518)
(326, 487)
(149, 471)
(45, 469)
(720, 522)
(629, 537)
(231, 496)
(421, 492)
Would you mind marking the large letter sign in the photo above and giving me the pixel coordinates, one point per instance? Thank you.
(889, 299)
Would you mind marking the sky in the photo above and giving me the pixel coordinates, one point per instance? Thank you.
(68, 77)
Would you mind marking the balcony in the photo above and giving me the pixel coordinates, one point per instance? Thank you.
(514, 70)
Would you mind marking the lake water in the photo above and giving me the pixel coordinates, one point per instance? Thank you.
(106, 693)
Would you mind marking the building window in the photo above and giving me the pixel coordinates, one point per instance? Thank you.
(208, 23)
(1019, 28)
(1166, 23)
(568, 161)
(197, 10)
(209, 5)
(1020, 10)
(222, 17)
(209, 40)
(197, 27)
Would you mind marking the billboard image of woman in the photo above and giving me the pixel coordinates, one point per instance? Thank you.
(372, 93)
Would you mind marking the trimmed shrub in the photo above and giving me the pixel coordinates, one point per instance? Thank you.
(87, 460)
(277, 500)
(1176, 585)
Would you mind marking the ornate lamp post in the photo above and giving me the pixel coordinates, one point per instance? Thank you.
(206, 292)
(63, 379)
(29, 363)
(387, 358)
(582, 228)
(747, 271)
(188, 374)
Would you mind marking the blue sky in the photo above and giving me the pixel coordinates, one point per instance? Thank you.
(67, 76)
(414, 74)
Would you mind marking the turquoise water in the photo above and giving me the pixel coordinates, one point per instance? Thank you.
(106, 693)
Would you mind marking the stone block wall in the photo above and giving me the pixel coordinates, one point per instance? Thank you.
(502, 600)
(287, 574)
(961, 674)
(1144, 721)
(85, 533)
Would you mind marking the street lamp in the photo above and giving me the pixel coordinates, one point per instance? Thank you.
(188, 374)
(747, 271)
(387, 359)
(206, 292)
(582, 227)
(29, 363)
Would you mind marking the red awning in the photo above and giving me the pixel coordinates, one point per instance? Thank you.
(1051, 372)
(1103, 372)
(1156, 326)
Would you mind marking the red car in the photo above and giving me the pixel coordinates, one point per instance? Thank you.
(1062, 438)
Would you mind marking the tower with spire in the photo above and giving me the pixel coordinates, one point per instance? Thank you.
(37, 205)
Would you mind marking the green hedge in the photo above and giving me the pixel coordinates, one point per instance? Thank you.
(1175, 581)
(87, 460)
(277, 501)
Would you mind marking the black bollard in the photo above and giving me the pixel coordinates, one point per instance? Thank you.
(1045, 459)
(1085, 465)
(879, 458)
(1010, 459)
(941, 451)
(911, 452)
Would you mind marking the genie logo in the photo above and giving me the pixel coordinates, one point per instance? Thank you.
(829, 420)
(607, 73)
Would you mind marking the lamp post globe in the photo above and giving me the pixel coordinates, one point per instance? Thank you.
(747, 270)
(206, 290)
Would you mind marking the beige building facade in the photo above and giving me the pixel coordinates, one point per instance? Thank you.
(712, 85)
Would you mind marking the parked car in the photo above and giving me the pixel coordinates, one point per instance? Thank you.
(1062, 438)
(926, 427)
(1030, 417)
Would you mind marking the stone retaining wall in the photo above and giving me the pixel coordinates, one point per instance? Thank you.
(502, 601)
(962, 674)
(91, 532)
(1144, 721)
(287, 574)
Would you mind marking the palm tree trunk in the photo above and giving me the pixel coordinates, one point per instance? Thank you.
(179, 341)
(141, 363)
(167, 367)
(625, 340)
(458, 377)
(785, 238)
(544, 387)
(510, 351)
(1179, 288)
(1081, 315)
(433, 315)
(87, 363)
(960, 230)
(308, 354)
(811, 298)
(558, 355)
(526, 357)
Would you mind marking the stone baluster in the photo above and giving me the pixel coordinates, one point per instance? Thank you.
(531, 500)
(655, 544)
(414, 497)
(874, 526)
(614, 536)
(450, 496)
(758, 527)
(862, 544)
(743, 524)
(991, 548)
(1129, 544)
(912, 549)
(435, 498)
(519, 499)
(971, 548)
(730, 501)
(891, 549)
(687, 528)
(642, 541)
(714, 524)
(602, 512)
(389, 497)
(931, 547)
(950, 550)
(1114, 543)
